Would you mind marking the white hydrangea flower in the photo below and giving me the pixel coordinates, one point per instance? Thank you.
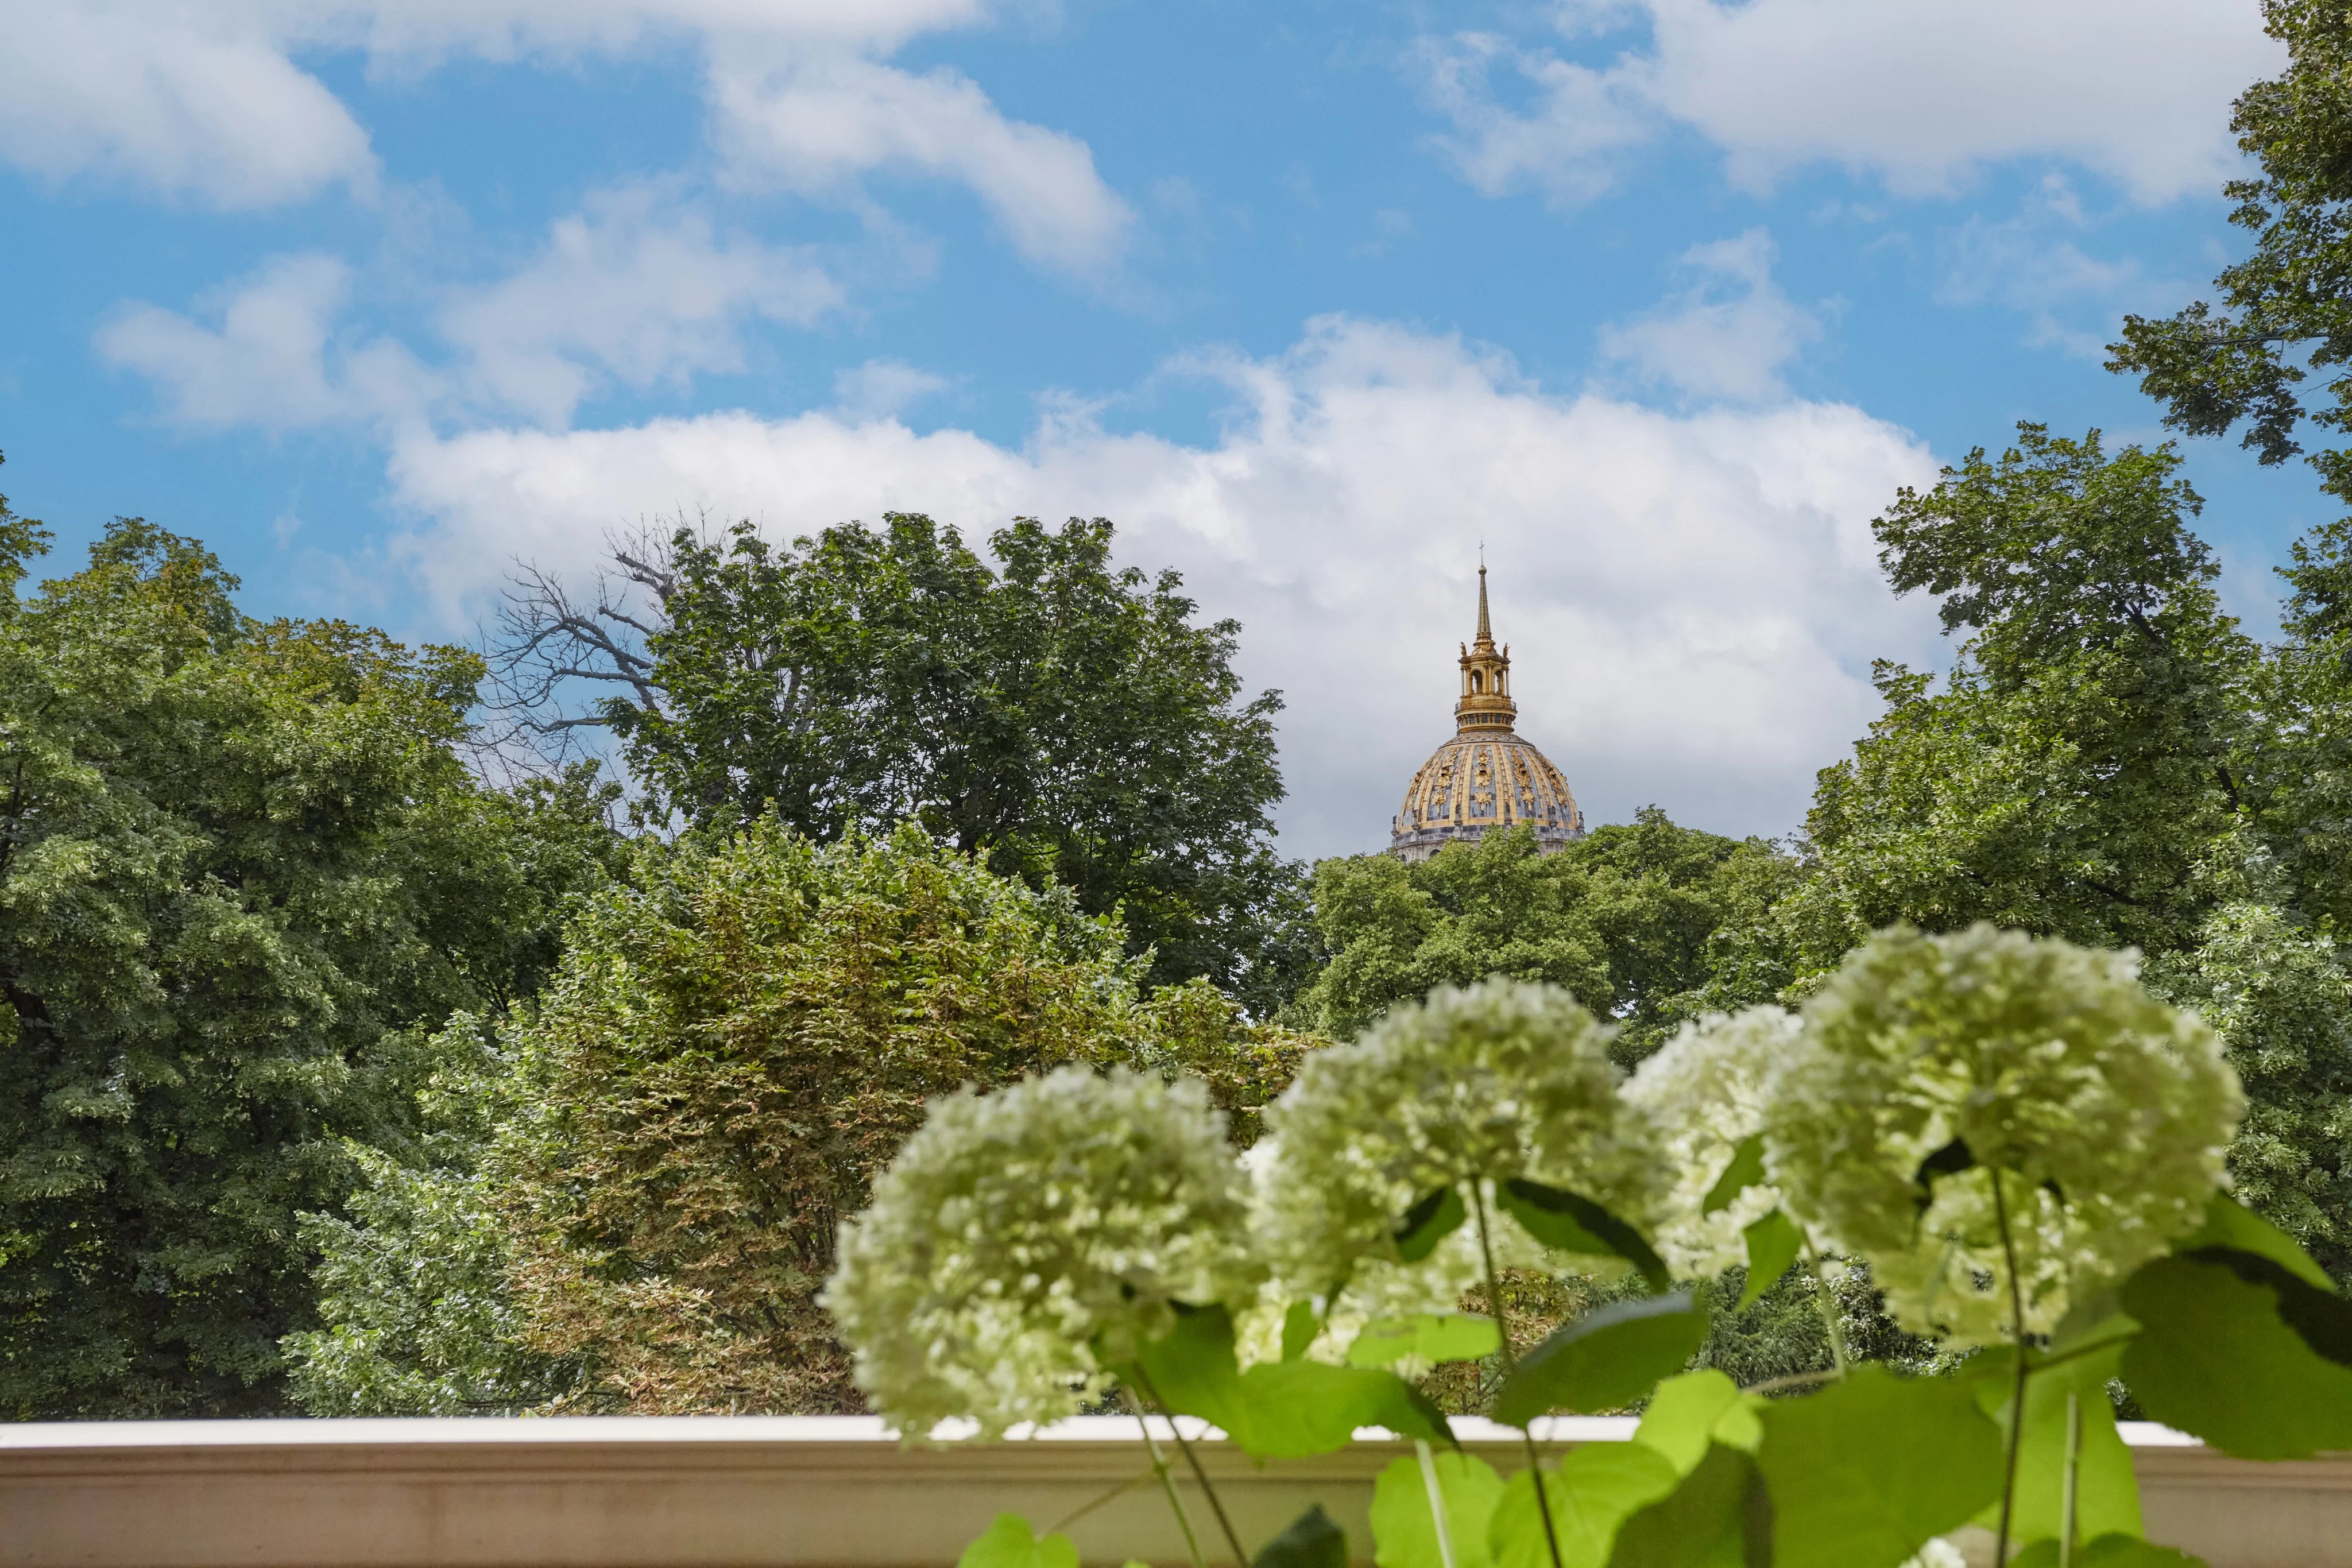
(1022, 1240)
(1938, 1553)
(1498, 1080)
(1704, 1090)
(2110, 1112)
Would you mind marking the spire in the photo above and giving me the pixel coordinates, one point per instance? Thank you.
(1485, 705)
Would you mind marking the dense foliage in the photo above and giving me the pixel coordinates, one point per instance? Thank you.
(243, 872)
(2111, 761)
(2024, 1145)
(1057, 716)
(2084, 755)
(417, 1302)
(2285, 311)
(1624, 917)
(737, 1039)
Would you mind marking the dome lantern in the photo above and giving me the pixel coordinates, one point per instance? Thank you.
(1486, 777)
(1485, 705)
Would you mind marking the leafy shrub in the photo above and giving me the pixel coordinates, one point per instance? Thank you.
(737, 1040)
(244, 872)
(2011, 1133)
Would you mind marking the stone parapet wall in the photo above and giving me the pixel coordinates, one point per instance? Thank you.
(590, 1492)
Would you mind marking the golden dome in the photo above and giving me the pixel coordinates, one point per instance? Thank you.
(1486, 777)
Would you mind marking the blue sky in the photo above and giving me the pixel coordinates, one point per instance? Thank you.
(1659, 298)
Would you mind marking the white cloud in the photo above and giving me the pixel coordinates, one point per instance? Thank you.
(1692, 600)
(1917, 94)
(208, 101)
(636, 288)
(264, 364)
(1727, 336)
(1568, 146)
(413, 31)
(883, 389)
(815, 125)
(2031, 263)
(186, 101)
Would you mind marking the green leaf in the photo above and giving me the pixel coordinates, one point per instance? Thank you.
(1691, 1411)
(1311, 1541)
(1299, 1327)
(1191, 1370)
(1605, 1360)
(2220, 1354)
(2321, 1317)
(1745, 1170)
(1293, 1408)
(1438, 1215)
(1773, 1243)
(2233, 1225)
(1008, 1543)
(1403, 1534)
(1567, 1223)
(1428, 1338)
(1281, 1410)
(1590, 1492)
(1865, 1471)
(2097, 1316)
(2108, 1552)
(2107, 1493)
(1719, 1517)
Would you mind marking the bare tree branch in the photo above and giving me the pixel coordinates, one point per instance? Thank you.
(555, 656)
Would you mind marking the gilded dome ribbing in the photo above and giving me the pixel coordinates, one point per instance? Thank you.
(1486, 777)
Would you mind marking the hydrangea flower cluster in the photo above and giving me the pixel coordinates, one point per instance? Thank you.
(2105, 1112)
(1704, 1090)
(1498, 1080)
(1026, 1240)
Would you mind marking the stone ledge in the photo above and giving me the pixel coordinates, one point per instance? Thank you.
(600, 1492)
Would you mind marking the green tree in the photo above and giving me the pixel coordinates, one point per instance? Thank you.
(1624, 917)
(2285, 311)
(2280, 994)
(1057, 716)
(2300, 778)
(242, 871)
(2270, 962)
(2075, 768)
(417, 1311)
(735, 1041)
(2268, 968)
(2111, 761)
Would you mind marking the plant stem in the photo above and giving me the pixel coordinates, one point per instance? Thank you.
(1168, 1485)
(1833, 1316)
(1502, 1333)
(1216, 1504)
(2073, 1461)
(2017, 1389)
(2096, 1345)
(1140, 1477)
(1436, 1501)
